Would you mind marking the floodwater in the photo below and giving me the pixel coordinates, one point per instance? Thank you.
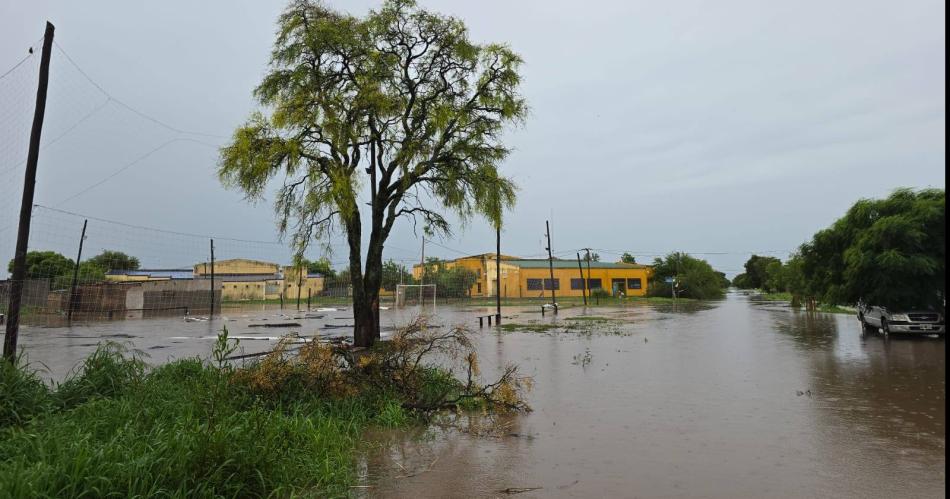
(729, 399)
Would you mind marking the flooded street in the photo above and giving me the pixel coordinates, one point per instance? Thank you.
(717, 400)
(697, 401)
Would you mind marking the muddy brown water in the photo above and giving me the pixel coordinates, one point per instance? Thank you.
(729, 399)
(695, 401)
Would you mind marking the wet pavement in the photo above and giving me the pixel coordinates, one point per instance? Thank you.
(720, 400)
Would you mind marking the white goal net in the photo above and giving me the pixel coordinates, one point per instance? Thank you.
(416, 295)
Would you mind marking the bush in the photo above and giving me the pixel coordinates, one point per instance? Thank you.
(24, 395)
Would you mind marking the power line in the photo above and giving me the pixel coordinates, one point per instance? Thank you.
(142, 227)
(128, 107)
(133, 163)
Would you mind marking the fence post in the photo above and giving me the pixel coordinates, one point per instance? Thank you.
(72, 288)
(26, 204)
(211, 310)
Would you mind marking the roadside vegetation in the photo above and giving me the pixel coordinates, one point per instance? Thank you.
(692, 278)
(888, 252)
(288, 424)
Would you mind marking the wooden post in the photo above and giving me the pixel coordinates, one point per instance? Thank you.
(547, 226)
(588, 271)
(72, 288)
(281, 300)
(211, 310)
(580, 270)
(309, 290)
(497, 275)
(18, 275)
(299, 283)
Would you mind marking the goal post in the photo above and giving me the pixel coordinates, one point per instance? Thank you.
(416, 294)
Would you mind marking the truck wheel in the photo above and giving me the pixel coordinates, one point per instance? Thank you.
(885, 328)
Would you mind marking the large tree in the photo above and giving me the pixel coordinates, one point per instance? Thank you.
(694, 278)
(115, 260)
(400, 99)
(887, 252)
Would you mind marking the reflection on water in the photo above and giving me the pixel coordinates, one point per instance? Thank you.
(730, 399)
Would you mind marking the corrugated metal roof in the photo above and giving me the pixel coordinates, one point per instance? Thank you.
(572, 264)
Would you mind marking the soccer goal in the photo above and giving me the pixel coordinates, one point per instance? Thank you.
(416, 295)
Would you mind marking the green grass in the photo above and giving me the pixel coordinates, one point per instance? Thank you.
(117, 429)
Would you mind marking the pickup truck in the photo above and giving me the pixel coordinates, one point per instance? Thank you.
(873, 317)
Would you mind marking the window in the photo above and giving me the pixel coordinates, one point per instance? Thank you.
(594, 284)
(534, 284)
(478, 288)
(634, 283)
(577, 284)
(557, 284)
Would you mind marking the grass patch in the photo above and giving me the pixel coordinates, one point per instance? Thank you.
(283, 426)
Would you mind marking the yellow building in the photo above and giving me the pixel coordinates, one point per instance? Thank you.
(237, 267)
(531, 278)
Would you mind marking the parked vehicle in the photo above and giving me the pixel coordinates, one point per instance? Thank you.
(874, 317)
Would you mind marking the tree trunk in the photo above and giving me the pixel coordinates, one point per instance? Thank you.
(366, 283)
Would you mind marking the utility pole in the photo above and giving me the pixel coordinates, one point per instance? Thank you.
(498, 275)
(587, 250)
(547, 226)
(18, 275)
(211, 309)
(72, 288)
(580, 271)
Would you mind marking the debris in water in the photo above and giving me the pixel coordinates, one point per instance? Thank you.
(518, 490)
(277, 324)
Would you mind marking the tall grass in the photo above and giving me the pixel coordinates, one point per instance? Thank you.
(113, 429)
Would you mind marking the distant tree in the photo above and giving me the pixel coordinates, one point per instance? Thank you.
(115, 260)
(756, 270)
(695, 278)
(774, 277)
(888, 252)
(742, 281)
(400, 100)
(89, 273)
(45, 264)
(594, 257)
(451, 282)
(628, 258)
(321, 266)
(395, 273)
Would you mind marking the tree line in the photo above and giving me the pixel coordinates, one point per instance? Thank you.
(60, 269)
(888, 252)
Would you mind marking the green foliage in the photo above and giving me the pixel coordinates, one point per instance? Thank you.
(89, 273)
(695, 278)
(742, 281)
(58, 268)
(395, 273)
(45, 264)
(107, 373)
(451, 282)
(22, 394)
(756, 271)
(888, 252)
(628, 258)
(114, 260)
(321, 266)
(400, 97)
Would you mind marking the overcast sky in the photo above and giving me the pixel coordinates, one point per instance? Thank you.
(724, 127)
